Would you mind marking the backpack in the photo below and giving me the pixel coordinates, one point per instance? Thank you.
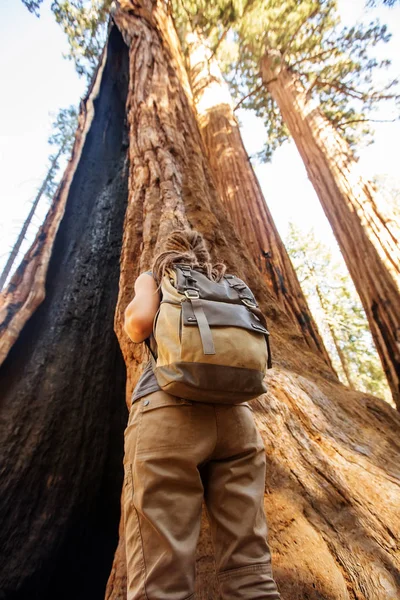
(211, 337)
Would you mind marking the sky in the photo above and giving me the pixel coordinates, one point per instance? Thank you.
(38, 81)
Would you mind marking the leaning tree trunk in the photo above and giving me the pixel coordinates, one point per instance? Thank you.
(62, 405)
(369, 246)
(17, 246)
(333, 487)
(240, 192)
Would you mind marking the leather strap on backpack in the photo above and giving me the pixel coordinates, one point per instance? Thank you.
(204, 327)
(191, 291)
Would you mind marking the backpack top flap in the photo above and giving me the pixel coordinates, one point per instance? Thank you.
(219, 296)
(229, 289)
(223, 314)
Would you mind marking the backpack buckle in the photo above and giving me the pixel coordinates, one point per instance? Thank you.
(192, 294)
(249, 303)
(186, 269)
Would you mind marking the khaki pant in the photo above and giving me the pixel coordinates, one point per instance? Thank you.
(176, 453)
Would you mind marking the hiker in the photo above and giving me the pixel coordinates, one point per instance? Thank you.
(180, 451)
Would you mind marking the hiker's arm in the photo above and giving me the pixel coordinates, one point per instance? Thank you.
(140, 312)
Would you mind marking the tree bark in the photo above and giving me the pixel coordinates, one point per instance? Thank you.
(330, 536)
(240, 192)
(62, 405)
(370, 247)
(333, 486)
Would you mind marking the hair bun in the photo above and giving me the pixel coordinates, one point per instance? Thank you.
(186, 245)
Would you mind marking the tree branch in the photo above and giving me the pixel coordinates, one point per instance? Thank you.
(310, 89)
(294, 35)
(311, 58)
(365, 121)
(188, 14)
(341, 87)
(353, 93)
(249, 95)
(221, 39)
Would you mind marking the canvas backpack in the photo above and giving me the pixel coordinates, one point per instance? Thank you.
(212, 340)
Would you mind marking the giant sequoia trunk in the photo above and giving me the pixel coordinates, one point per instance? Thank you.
(369, 246)
(240, 192)
(332, 489)
(62, 406)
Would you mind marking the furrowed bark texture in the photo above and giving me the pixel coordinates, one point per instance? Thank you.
(333, 485)
(370, 246)
(240, 192)
(62, 406)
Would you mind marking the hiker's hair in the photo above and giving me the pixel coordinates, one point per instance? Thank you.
(186, 246)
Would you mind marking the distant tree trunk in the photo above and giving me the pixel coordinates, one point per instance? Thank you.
(339, 351)
(369, 246)
(24, 229)
(332, 488)
(62, 398)
(331, 537)
(240, 192)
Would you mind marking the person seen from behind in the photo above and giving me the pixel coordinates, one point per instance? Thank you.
(180, 451)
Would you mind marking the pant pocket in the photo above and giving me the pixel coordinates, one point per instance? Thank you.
(166, 423)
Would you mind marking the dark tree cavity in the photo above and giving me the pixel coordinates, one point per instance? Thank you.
(62, 406)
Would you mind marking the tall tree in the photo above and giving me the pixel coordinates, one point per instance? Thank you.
(296, 53)
(368, 245)
(313, 80)
(171, 185)
(238, 187)
(62, 137)
(338, 312)
(84, 24)
(325, 484)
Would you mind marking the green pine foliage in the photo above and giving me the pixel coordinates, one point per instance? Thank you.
(64, 129)
(85, 25)
(338, 312)
(389, 3)
(33, 6)
(335, 64)
(84, 22)
(62, 139)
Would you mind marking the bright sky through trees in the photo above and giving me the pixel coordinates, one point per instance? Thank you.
(37, 82)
